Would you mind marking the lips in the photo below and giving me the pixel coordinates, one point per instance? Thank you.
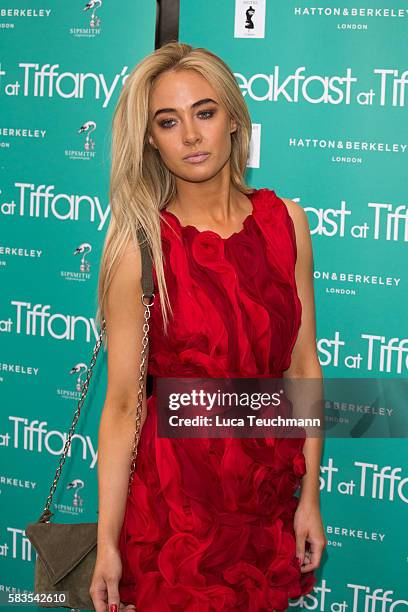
(196, 153)
(197, 157)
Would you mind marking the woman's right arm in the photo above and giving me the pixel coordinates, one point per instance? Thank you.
(124, 329)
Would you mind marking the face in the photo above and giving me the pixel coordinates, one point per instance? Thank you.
(186, 116)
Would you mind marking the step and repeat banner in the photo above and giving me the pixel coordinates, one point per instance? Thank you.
(62, 66)
(326, 89)
(326, 86)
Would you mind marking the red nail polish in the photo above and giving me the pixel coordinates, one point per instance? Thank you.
(113, 608)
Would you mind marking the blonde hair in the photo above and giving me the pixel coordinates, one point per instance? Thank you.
(140, 184)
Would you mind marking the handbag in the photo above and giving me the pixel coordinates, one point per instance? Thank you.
(66, 553)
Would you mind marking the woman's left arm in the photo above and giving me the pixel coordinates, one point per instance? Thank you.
(305, 364)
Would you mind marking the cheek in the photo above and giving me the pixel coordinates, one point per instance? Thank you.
(168, 143)
(220, 137)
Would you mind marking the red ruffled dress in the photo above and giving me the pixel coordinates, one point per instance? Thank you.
(208, 525)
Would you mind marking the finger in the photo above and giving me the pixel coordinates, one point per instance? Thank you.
(113, 596)
(312, 557)
(308, 565)
(123, 607)
(99, 596)
(300, 547)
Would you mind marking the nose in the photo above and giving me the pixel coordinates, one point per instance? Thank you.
(191, 134)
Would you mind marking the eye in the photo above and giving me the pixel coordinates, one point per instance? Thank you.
(204, 114)
(165, 122)
(207, 113)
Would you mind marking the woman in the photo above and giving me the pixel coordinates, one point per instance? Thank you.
(210, 524)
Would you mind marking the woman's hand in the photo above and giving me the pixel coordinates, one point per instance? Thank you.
(104, 589)
(309, 528)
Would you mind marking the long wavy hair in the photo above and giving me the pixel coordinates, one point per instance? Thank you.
(140, 183)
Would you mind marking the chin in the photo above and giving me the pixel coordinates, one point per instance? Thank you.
(196, 175)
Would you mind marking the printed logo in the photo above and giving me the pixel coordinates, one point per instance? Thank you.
(87, 152)
(77, 502)
(94, 21)
(41, 201)
(385, 221)
(36, 320)
(83, 274)
(353, 597)
(249, 19)
(383, 483)
(45, 81)
(88, 128)
(342, 88)
(378, 353)
(34, 437)
(80, 369)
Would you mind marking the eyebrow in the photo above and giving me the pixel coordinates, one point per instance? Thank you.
(194, 105)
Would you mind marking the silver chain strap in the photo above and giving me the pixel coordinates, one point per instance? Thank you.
(145, 343)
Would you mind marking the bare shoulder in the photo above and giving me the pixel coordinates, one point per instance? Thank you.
(296, 211)
(122, 306)
(127, 271)
(300, 221)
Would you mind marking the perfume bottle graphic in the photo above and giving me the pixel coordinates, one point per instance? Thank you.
(83, 250)
(249, 24)
(81, 369)
(87, 128)
(94, 5)
(77, 485)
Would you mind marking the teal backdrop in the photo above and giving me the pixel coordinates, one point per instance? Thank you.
(325, 86)
(61, 71)
(326, 89)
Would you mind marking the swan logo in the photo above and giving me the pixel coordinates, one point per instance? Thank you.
(92, 8)
(80, 369)
(76, 485)
(94, 5)
(83, 250)
(87, 151)
(249, 19)
(77, 502)
(87, 128)
(83, 274)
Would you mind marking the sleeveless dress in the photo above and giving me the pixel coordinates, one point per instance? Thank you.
(208, 525)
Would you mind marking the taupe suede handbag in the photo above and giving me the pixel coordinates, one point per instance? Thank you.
(66, 553)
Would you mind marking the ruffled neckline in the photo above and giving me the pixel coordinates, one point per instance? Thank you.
(192, 228)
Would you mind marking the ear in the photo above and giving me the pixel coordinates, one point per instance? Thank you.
(151, 141)
(233, 125)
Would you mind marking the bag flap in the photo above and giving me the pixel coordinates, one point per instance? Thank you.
(61, 546)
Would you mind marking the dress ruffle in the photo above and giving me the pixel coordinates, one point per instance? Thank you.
(208, 525)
